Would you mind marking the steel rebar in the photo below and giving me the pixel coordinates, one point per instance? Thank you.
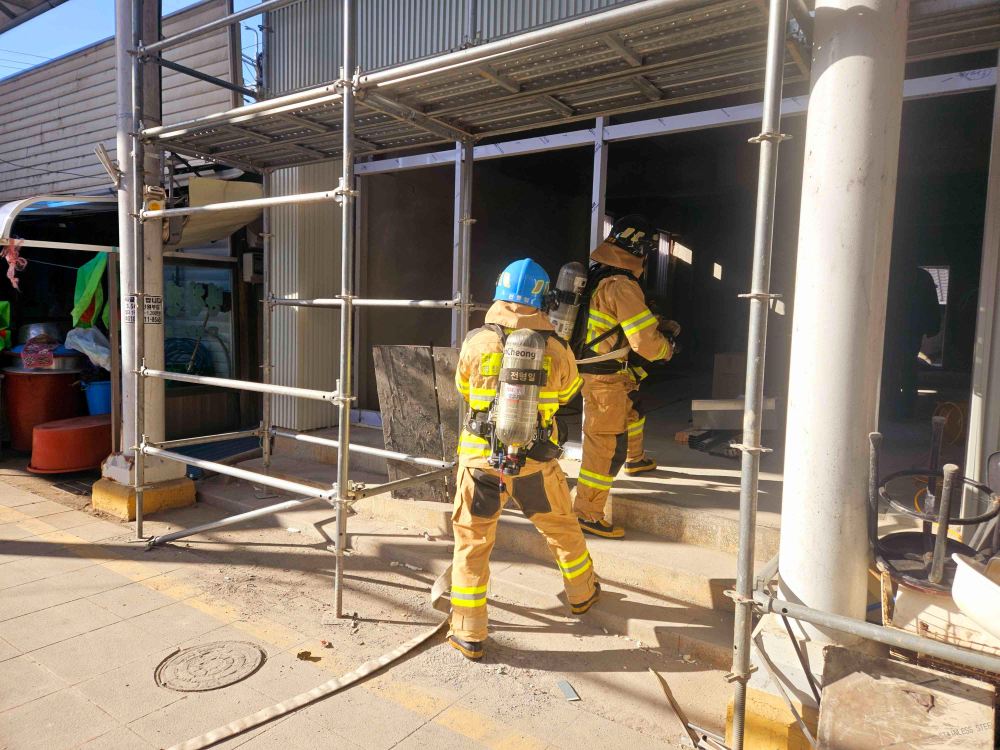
(760, 297)
(347, 293)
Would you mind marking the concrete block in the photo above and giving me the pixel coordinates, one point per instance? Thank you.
(15, 574)
(94, 579)
(31, 597)
(22, 680)
(198, 713)
(434, 735)
(297, 731)
(7, 651)
(350, 714)
(175, 623)
(119, 500)
(122, 738)
(98, 651)
(55, 560)
(130, 692)
(53, 624)
(71, 519)
(10, 532)
(131, 600)
(770, 725)
(41, 508)
(58, 721)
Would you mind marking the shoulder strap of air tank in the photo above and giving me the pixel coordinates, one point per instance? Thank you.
(499, 331)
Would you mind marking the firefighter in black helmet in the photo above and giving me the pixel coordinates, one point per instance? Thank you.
(617, 318)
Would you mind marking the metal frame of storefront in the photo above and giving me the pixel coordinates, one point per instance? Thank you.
(343, 93)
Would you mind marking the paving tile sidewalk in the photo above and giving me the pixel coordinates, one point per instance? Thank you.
(86, 615)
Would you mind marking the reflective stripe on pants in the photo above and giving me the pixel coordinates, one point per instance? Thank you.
(478, 504)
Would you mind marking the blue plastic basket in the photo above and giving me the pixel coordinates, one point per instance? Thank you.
(98, 397)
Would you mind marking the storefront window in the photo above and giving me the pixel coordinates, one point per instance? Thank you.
(198, 303)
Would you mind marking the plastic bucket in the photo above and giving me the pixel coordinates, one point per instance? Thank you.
(98, 397)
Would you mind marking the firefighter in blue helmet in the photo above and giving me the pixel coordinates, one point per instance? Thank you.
(538, 485)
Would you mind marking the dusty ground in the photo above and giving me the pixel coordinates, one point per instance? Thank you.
(86, 614)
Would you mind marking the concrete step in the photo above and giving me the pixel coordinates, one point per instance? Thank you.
(360, 435)
(669, 626)
(700, 527)
(642, 562)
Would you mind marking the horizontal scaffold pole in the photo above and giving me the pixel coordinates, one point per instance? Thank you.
(278, 200)
(336, 302)
(167, 444)
(241, 385)
(208, 28)
(305, 437)
(250, 476)
(378, 489)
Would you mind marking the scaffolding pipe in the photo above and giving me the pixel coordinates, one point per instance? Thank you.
(232, 520)
(208, 28)
(347, 294)
(241, 385)
(278, 200)
(760, 297)
(170, 65)
(138, 266)
(399, 484)
(167, 444)
(587, 26)
(888, 636)
(250, 476)
(337, 302)
(268, 312)
(303, 437)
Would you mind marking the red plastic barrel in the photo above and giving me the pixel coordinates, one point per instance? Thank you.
(34, 398)
(68, 445)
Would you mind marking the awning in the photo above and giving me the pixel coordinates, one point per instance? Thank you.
(14, 14)
(630, 58)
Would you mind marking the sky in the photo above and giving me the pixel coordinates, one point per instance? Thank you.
(79, 23)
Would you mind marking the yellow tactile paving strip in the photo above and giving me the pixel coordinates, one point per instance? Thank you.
(442, 710)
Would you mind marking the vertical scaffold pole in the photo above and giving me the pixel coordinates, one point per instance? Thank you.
(268, 311)
(138, 266)
(344, 389)
(769, 139)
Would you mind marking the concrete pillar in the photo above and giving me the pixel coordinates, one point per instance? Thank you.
(842, 273)
(112, 493)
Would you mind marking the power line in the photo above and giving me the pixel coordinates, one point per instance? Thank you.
(39, 169)
(27, 54)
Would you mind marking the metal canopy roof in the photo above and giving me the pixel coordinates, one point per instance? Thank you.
(15, 12)
(682, 52)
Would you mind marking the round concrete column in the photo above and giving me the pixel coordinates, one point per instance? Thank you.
(842, 273)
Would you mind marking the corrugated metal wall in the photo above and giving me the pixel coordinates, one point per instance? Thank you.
(305, 263)
(306, 48)
(52, 116)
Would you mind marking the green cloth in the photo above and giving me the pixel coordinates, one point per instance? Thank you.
(89, 295)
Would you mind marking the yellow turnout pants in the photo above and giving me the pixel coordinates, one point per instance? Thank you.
(543, 496)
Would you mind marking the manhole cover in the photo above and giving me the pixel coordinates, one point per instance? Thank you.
(209, 667)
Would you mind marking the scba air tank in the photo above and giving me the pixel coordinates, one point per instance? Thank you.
(521, 377)
(570, 284)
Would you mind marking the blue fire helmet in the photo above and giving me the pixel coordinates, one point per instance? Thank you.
(523, 281)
